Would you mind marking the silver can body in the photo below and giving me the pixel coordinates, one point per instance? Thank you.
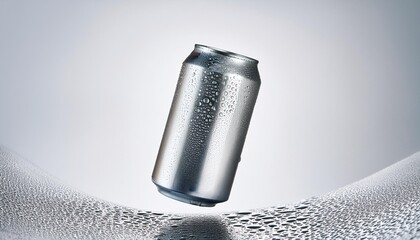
(206, 128)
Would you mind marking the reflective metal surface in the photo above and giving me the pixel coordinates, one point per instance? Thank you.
(206, 127)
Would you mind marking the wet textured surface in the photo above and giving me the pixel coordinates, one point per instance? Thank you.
(385, 205)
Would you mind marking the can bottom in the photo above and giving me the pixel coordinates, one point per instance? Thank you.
(182, 197)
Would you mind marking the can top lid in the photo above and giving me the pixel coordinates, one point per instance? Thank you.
(226, 53)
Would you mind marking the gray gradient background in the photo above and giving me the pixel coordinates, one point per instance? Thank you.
(86, 86)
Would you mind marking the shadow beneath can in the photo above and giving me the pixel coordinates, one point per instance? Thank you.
(196, 227)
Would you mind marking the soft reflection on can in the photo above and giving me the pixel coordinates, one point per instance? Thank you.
(206, 128)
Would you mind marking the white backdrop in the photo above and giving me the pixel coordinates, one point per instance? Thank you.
(86, 86)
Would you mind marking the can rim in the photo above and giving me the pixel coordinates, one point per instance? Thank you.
(226, 53)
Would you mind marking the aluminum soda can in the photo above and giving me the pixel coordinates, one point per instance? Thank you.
(206, 127)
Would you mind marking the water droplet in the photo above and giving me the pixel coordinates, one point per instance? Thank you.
(254, 226)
